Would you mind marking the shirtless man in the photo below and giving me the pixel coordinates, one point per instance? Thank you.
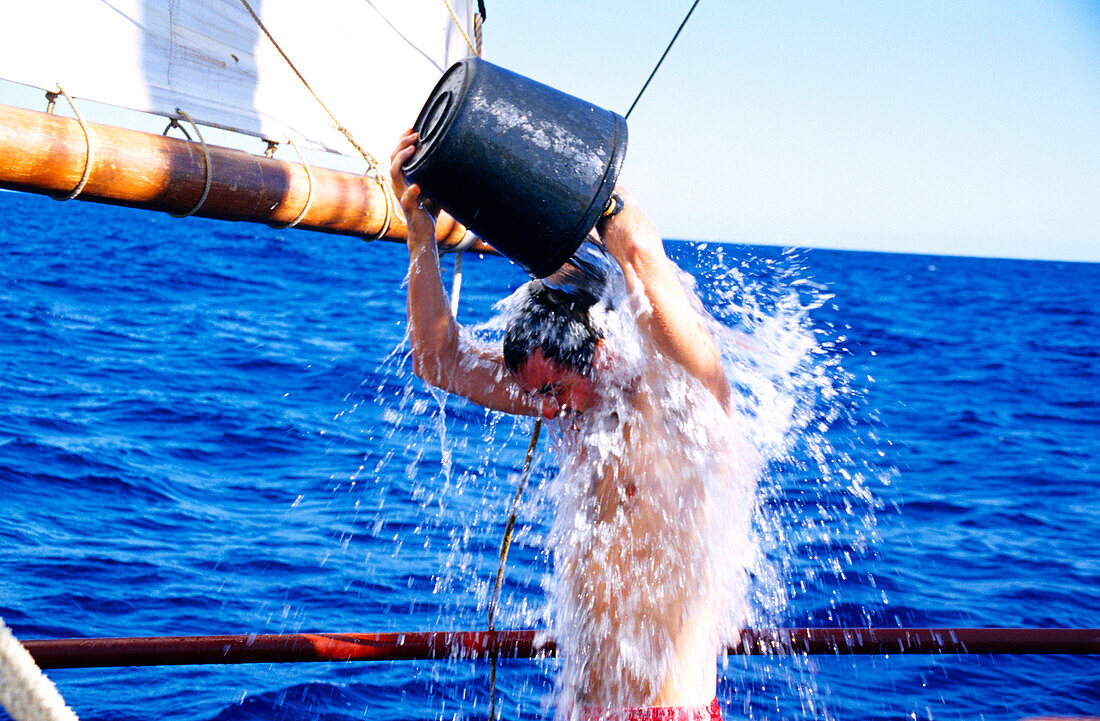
(642, 420)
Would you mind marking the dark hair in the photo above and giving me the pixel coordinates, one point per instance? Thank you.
(555, 321)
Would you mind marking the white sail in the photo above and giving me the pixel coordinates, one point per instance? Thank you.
(372, 62)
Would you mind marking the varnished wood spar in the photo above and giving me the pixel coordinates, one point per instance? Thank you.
(45, 153)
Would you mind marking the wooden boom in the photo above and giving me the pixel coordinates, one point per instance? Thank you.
(46, 153)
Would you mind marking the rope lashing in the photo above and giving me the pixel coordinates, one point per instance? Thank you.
(173, 123)
(25, 692)
(391, 202)
(670, 42)
(52, 97)
(461, 246)
(207, 164)
(309, 194)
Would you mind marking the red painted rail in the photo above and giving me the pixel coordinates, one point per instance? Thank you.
(287, 648)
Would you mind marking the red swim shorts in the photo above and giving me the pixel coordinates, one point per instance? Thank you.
(710, 712)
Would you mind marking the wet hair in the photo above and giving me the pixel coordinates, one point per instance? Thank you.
(555, 321)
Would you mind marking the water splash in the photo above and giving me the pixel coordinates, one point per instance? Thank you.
(815, 508)
(740, 511)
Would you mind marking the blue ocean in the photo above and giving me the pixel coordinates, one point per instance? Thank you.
(212, 428)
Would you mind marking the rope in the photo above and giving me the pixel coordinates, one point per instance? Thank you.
(25, 692)
(458, 24)
(479, 21)
(309, 196)
(468, 240)
(391, 200)
(504, 546)
(339, 126)
(207, 163)
(506, 543)
(173, 123)
(373, 167)
(87, 153)
(670, 42)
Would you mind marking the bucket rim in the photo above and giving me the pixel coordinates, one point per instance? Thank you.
(424, 150)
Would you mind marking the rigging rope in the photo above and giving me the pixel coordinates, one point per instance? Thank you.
(670, 42)
(479, 19)
(309, 194)
(339, 126)
(207, 164)
(87, 172)
(458, 24)
(504, 546)
(25, 692)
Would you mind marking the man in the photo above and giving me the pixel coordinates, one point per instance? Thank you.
(647, 459)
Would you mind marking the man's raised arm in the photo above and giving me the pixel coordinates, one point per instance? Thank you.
(674, 325)
(438, 355)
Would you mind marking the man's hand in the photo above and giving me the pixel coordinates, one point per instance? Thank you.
(418, 213)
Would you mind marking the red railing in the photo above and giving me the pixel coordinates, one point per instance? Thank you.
(301, 647)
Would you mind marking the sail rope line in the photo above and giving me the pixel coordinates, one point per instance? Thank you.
(339, 126)
(462, 30)
(26, 693)
(455, 292)
(479, 19)
(87, 172)
(456, 284)
(373, 167)
(504, 547)
(309, 194)
(665, 53)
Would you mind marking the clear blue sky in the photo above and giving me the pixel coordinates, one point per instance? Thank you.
(955, 127)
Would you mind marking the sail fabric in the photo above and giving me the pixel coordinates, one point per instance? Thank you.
(372, 62)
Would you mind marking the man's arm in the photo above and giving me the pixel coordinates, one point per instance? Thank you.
(674, 326)
(438, 355)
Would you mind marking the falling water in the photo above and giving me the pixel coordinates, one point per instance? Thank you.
(671, 517)
(814, 510)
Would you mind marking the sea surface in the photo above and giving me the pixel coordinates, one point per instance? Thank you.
(212, 428)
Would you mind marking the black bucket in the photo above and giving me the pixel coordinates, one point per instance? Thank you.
(526, 167)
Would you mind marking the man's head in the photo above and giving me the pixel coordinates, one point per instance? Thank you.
(550, 345)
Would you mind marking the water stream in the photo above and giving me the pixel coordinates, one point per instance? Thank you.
(659, 524)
